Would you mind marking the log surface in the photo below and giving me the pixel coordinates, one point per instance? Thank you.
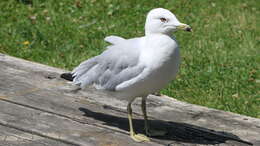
(37, 107)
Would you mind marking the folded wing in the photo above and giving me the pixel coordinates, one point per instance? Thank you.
(118, 64)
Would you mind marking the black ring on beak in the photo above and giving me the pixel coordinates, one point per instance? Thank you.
(188, 29)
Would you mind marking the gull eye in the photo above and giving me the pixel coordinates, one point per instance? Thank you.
(163, 19)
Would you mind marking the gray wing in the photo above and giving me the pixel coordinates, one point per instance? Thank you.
(117, 64)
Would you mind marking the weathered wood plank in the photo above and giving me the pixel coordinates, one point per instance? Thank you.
(13, 137)
(58, 128)
(187, 124)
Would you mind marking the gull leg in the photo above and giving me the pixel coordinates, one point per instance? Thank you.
(148, 131)
(135, 137)
(143, 105)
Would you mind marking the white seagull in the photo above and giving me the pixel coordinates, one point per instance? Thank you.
(136, 67)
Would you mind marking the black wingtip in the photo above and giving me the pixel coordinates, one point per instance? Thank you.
(67, 76)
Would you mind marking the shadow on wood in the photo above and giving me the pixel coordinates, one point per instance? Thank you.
(181, 132)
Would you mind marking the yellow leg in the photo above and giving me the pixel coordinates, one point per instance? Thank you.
(148, 131)
(135, 137)
(145, 115)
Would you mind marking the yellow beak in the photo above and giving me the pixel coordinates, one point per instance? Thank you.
(184, 27)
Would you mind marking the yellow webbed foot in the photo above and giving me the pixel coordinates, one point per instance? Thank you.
(139, 138)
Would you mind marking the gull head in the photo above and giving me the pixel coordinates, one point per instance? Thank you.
(162, 21)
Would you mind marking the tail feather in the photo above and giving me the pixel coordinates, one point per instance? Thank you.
(67, 76)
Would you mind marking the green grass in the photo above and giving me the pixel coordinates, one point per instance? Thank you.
(220, 59)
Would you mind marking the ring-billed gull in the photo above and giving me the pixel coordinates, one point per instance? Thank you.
(135, 67)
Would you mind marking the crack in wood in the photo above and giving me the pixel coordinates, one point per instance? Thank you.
(61, 115)
(100, 134)
(38, 134)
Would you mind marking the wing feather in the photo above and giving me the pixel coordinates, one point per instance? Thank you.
(117, 64)
(114, 39)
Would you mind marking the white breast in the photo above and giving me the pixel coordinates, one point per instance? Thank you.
(160, 55)
(163, 59)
